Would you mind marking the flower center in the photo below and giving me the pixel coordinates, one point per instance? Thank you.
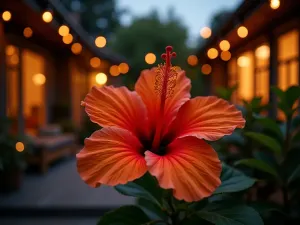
(165, 82)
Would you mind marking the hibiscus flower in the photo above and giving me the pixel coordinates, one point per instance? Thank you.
(156, 128)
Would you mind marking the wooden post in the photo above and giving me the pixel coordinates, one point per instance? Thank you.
(3, 82)
(273, 64)
(21, 126)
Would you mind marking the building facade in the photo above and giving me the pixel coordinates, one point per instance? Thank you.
(264, 50)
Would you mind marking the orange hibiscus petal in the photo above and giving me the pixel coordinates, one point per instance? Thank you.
(145, 87)
(209, 118)
(190, 167)
(111, 156)
(110, 106)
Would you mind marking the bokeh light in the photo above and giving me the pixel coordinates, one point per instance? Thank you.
(242, 31)
(39, 79)
(100, 41)
(262, 52)
(95, 62)
(192, 60)
(10, 50)
(20, 147)
(14, 59)
(150, 58)
(27, 32)
(101, 78)
(76, 48)
(114, 70)
(275, 4)
(225, 55)
(224, 45)
(123, 68)
(243, 61)
(63, 30)
(205, 32)
(206, 69)
(6, 16)
(212, 53)
(68, 39)
(47, 16)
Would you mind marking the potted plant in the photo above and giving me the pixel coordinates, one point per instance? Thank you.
(12, 161)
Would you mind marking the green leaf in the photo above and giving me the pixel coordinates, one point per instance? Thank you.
(259, 165)
(292, 94)
(153, 211)
(233, 180)
(227, 214)
(125, 215)
(295, 175)
(271, 125)
(279, 93)
(265, 140)
(144, 187)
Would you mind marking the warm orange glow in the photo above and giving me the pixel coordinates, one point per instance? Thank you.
(100, 41)
(39, 79)
(243, 61)
(68, 39)
(95, 62)
(6, 16)
(123, 68)
(150, 58)
(63, 30)
(206, 69)
(47, 16)
(263, 52)
(212, 53)
(114, 70)
(10, 50)
(27, 32)
(274, 4)
(224, 45)
(242, 32)
(205, 32)
(101, 78)
(20, 147)
(14, 59)
(192, 60)
(225, 55)
(76, 48)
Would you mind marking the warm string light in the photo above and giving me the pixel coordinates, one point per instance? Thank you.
(20, 147)
(100, 42)
(274, 4)
(68, 39)
(206, 69)
(242, 32)
(205, 32)
(95, 62)
(192, 60)
(47, 16)
(114, 70)
(224, 45)
(6, 16)
(123, 68)
(243, 61)
(101, 78)
(76, 48)
(27, 32)
(225, 55)
(63, 30)
(150, 58)
(212, 53)
(39, 79)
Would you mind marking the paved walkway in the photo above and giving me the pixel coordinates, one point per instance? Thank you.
(60, 188)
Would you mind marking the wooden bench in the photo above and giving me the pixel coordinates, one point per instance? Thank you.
(50, 148)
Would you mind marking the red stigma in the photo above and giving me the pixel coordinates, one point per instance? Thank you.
(168, 55)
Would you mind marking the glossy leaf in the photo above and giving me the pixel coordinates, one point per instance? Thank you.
(265, 140)
(227, 214)
(153, 211)
(295, 175)
(292, 94)
(233, 180)
(271, 125)
(259, 165)
(145, 187)
(126, 215)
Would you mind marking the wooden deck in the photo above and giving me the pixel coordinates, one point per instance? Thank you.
(59, 196)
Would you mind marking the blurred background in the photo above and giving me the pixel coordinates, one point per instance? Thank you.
(52, 52)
